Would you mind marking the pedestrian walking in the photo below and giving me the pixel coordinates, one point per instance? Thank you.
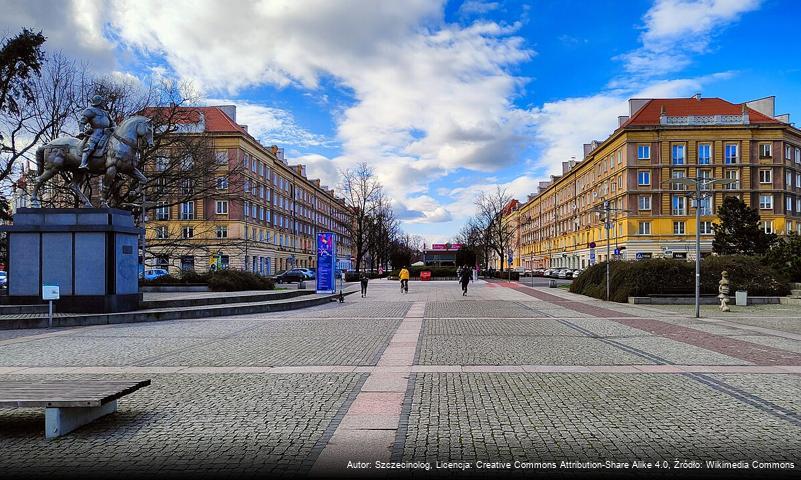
(364, 279)
(466, 276)
(404, 279)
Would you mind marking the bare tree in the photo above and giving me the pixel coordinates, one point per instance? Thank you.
(360, 189)
(383, 230)
(491, 207)
(21, 60)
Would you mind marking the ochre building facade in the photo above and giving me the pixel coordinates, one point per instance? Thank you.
(651, 217)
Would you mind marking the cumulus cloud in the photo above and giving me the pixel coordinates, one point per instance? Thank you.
(270, 125)
(674, 30)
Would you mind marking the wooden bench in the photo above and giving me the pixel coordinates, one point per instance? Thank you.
(68, 404)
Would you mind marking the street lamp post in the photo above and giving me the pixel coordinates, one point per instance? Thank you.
(701, 185)
(605, 211)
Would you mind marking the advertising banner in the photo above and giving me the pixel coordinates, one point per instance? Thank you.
(326, 262)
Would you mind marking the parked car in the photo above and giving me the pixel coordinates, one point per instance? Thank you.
(528, 273)
(3, 278)
(310, 275)
(577, 272)
(154, 273)
(565, 273)
(548, 272)
(291, 276)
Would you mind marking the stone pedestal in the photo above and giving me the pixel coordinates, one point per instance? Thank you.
(90, 253)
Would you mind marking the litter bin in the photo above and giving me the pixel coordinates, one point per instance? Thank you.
(552, 283)
(741, 298)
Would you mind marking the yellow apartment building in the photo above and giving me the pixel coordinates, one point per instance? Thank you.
(663, 139)
(263, 215)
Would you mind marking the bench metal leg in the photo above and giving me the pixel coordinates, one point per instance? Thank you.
(61, 421)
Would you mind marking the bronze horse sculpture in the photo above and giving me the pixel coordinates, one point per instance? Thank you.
(121, 157)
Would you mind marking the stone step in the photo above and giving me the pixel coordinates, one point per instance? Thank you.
(795, 292)
(12, 322)
(795, 285)
(21, 309)
(790, 301)
(224, 299)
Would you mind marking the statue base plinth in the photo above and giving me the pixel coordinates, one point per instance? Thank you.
(91, 254)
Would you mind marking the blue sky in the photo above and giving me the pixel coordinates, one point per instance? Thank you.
(442, 99)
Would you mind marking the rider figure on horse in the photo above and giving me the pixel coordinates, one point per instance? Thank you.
(97, 124)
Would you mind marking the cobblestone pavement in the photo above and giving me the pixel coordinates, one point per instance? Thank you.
(508, 373)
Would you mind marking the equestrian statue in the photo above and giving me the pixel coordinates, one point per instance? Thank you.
(102, 148)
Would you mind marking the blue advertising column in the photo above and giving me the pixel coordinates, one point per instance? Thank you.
(326, 262)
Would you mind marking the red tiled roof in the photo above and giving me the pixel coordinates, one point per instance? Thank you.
(216, 119)
(650, 112)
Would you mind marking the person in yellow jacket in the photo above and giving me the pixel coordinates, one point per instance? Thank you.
(404, 279)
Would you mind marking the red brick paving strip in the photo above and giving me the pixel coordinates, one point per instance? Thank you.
(748, 351)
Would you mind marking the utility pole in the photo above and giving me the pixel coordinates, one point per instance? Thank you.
(701, 191)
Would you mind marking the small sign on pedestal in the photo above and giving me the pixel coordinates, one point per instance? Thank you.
(50, 293)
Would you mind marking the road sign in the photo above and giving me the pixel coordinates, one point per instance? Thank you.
(592, 244)
(50, 292)
(617, 251)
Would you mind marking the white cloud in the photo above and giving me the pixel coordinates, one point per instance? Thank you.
(674, 30)
(270, 125)
(477, 7)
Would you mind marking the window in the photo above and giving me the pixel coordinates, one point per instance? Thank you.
(706, 175)
(789, 227)
(704, 153)
(246, 186)
(765, 150)
(643, 177)
(765, 176)
(643, 152)
(188, 211)
(620, 181)
(644, 202)
(798, 180)
(162, 163)
(222, 183)
(187, 162)
(678, 228)
(679, 205)
(732, 175)
(677, 155)
(246, 161)
(221, 156)
(798, 205)
(678, 174)
(619, 157)
(789, 204)
(788, 179)
(162, 211)
(706, 206)
(731, 153)
(221, 207)
(187, 186)
(788, 152)
(221, 231)
(766, 201)
(162, 232)
(187, 232)
(767, 226)
(706, 228)
(797, 155)
(187, 263)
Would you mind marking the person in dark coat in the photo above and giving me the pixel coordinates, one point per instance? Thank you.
(465, 276)
(363, 280)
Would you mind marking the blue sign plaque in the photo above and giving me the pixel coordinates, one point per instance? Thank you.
(326, 262)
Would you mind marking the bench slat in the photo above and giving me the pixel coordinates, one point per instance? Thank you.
(65, 393)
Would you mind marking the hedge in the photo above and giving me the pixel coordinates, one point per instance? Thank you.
(505, 275)
(667, 276)
(219, 281)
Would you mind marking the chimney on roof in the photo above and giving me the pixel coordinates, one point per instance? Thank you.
(635, 104)
(621, 120)
(244, 127)
(697, 96)
(784, 118)
(765, 106)
(229, 111)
